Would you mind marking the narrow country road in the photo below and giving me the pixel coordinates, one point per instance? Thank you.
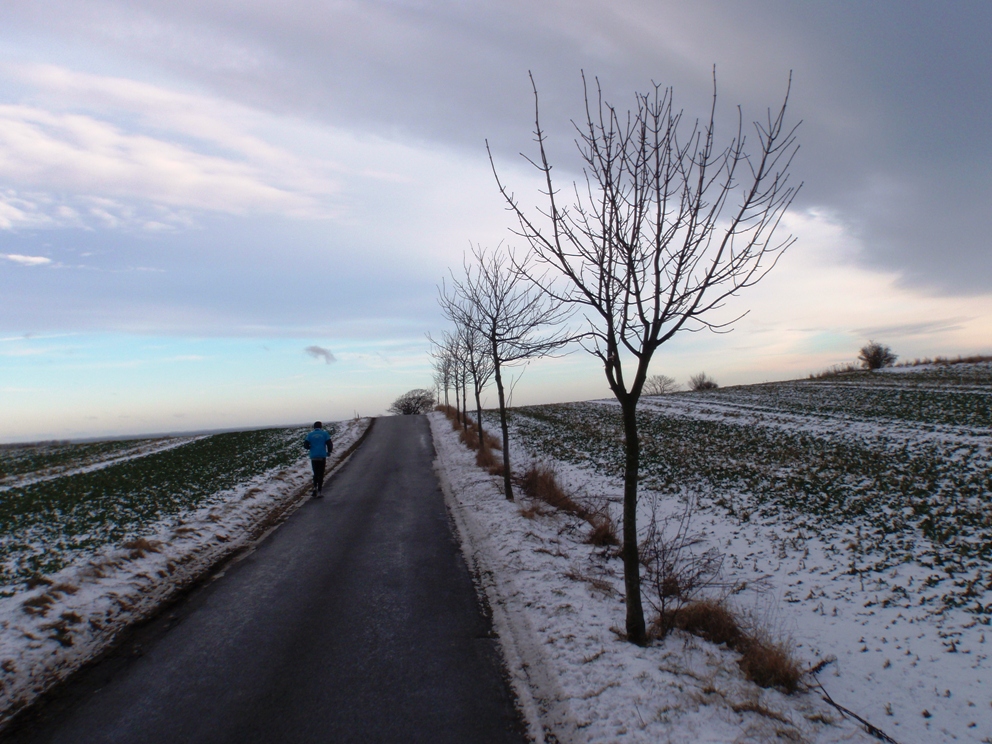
(355, 621)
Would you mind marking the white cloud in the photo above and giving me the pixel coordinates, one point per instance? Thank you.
(26, 260)
(80, 154)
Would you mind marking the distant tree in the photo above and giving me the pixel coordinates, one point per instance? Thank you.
(660, 385)
(413, 402)
(702, 382)
(664, 227)
(875, 356)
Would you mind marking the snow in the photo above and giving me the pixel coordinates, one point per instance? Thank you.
(557, 602)
(49, 632)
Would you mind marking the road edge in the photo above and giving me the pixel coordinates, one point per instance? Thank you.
(541, 701)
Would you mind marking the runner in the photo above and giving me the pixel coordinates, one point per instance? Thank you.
(319, 443)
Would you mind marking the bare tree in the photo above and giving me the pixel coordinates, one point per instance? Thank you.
(514, 317)
(413, 402)
(665, 228)
(701, 382)
(472, 345)
(874, 355)
(660, 385)
(443, 367)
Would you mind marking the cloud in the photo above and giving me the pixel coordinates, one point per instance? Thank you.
(901, 102)
(62, 152)
(26, 260)
(319, 352)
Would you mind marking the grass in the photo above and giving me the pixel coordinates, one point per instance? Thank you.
(44, 526)
(765, 662)
(468, 433)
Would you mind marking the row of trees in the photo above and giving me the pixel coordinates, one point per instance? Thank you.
(664, 228)
(501, 319)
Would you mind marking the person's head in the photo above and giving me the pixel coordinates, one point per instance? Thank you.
(317, 425)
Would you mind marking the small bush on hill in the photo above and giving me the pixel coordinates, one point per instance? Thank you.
(874, 355)
(702, 382)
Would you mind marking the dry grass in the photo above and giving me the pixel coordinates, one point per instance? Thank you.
(707, 619)
(751, 706)
(139, 547)
(974, 359)
(540, 482)
(763, 661)
(485, 459)
(837, 370)
(532, 509)
(469, 431)
(38, 605)
(770, 664)
(35, 581)
(604, 531)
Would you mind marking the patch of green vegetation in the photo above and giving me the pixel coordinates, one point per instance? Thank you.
(915, 498)
(46, 525)
(48, 457)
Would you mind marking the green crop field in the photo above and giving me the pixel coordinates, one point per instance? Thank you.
(897, 465)
(46, 524)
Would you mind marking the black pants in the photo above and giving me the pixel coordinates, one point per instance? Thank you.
(318, 464)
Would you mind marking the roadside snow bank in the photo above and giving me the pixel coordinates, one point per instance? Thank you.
(71, 617)
(556, 603)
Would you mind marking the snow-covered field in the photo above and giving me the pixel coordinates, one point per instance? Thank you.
(858, 510)
(131, 551)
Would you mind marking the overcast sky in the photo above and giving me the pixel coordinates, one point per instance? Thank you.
(221, 213)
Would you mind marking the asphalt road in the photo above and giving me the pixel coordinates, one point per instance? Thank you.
(355, 621)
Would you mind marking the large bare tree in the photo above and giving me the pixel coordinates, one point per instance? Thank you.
(516, 321)
(665, 227)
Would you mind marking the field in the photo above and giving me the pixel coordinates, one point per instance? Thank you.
(62, 501)
(858, 508)
(97, 536)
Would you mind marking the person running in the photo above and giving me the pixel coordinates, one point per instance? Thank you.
(319, 443)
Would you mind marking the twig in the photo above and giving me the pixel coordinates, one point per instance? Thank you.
(871, 729)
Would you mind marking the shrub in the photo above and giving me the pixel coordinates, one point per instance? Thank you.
(413, 402)
(678, 567)
(702, 382)
(540, 482)
(709, 619)
(874, 355)
(763, 661)
(769, 664)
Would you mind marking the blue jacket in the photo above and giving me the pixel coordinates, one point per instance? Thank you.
(320, 444)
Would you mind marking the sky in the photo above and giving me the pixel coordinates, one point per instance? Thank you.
(221, 214)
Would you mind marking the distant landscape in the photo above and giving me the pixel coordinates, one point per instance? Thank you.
(853, 506)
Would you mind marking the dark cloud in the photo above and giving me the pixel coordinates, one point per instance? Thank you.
(319, 352)
(895, 96)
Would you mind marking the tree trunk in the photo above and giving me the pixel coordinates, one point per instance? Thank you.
(458, 405)
(478, 418)
(465, 404)
(507, 485)
(631, 564)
